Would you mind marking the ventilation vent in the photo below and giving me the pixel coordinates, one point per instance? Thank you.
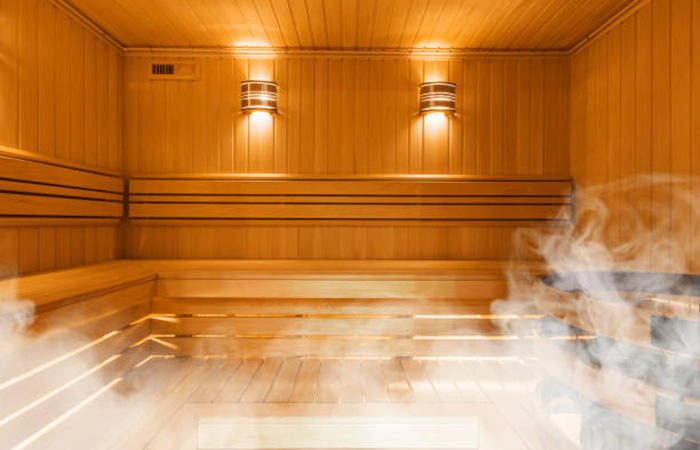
(174, 71)
(162, 69)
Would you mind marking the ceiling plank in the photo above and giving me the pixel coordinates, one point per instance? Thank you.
(351, 24)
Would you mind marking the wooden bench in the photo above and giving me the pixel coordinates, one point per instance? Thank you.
(378, 200)
(94, 328)
(334, 308)
(65, 335)
(47, 191)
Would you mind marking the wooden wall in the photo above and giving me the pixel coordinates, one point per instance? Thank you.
(60, 96)
(349, 116)
(636, 117)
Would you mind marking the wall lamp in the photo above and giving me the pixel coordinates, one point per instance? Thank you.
(259, 96)
(438, 96)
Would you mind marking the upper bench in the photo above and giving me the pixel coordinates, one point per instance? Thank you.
(391, 200)
(35, 189)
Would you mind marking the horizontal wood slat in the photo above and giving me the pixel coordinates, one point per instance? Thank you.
(323, 199)
(334, 308)
(364, 199)
(64, 287)
(31, 205)
(357, 306)
(330, 288)
(333, 326)
(287, 347)
(19, 166)
(349, 185)
(334, 211)
(53, 190)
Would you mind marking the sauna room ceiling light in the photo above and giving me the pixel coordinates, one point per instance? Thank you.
(259, 96)
(438, 96)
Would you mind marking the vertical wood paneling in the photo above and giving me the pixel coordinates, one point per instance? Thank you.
(353, 116)
(661, 122)
(9, 73)
(30, 249)
(695, 125)
(635, 114)
(54, 84)
(680, 208)
(28, 75)
(60, 97)
(46, 88)
(347, 115)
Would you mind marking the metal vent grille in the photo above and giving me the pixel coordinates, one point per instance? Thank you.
(174, 71)
(163, 69)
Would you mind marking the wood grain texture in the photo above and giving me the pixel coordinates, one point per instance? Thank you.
(87, 328)
(61, 108)
(51, 290)
(634, 112)
(402, 200)
(344, 116)
(334, 347)
(329, 24)
(45, 189)
(61, 86)
(333, 308)
(176, 136)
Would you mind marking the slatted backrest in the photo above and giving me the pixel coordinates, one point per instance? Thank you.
(404, 199)
(334, 309)
(47, 190)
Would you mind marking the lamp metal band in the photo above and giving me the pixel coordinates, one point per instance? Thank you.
(259, 96)
(438, 96)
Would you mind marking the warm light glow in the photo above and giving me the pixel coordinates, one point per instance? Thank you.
(471, 338)
(55, 361)
(251, 43)
(53, 393)
(163, 343)
(261, 68)
(436, 120)
(468, 358)
(259, 119)
(62, 418)
(432, 45)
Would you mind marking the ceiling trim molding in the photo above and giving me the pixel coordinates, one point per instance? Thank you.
(87, 22)
(622, 15)
(338, 53)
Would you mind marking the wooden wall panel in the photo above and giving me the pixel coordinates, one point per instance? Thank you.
(634, 118)
(320, 242)
(59, 83)
(30, 249)
(351, 115)
(344, 116)
(59, 97)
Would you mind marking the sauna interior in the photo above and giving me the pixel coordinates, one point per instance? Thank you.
(349, 224)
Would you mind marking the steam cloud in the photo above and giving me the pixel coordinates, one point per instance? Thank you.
(642, 225)
(627, 370)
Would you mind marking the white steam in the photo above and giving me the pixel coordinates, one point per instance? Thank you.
(608, 370)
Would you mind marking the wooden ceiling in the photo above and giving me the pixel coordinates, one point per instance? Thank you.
(351, 24)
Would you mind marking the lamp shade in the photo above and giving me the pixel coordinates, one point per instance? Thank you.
(259, 96)
(438, 96)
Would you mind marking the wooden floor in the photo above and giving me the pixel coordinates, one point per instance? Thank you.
(163, 403)
(306, 380)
